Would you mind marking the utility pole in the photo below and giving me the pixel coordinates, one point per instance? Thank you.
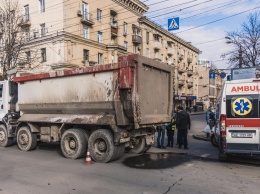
(240, 56)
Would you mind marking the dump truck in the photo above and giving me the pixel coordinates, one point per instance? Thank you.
(104, 108)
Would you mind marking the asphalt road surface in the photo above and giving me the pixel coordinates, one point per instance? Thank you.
(197, 170)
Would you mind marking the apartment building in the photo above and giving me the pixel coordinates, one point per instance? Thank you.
(209, 87)
(75, 33)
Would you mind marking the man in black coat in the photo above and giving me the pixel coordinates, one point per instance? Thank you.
(183, 124)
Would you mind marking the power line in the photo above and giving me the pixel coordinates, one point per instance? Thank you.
(218, 20)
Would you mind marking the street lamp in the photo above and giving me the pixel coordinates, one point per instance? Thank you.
(229, 41)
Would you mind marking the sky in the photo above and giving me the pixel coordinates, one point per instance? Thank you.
(194, 18)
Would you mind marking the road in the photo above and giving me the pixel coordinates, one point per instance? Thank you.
(197, 170)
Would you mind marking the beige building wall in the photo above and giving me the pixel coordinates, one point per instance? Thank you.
(72, 26)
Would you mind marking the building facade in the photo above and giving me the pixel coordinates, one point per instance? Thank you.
(74, 33)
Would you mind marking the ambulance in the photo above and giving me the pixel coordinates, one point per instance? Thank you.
(238, 118)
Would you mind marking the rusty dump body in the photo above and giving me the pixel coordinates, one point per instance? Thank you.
(134, 93)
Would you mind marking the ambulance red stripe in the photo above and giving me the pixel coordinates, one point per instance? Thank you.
(243, 122)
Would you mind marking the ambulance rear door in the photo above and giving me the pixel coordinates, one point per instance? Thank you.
(242, 117)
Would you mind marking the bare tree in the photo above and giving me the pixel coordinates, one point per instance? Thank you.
(14, 50)
(246, 43)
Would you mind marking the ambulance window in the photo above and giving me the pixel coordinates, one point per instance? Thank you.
(1, 90)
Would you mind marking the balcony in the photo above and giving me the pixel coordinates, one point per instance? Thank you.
(86, 18)
(157, 45)
(181, 82)
(170, 51)
(114, 28)
(190, 72)
(189, 60)
(157, 59)
(181, 57)
(190, 84)
(116, 46)
(136, 39)
(25, 22)
(181, 70)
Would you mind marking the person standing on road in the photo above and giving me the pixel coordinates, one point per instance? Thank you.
(170, 131)
(210, 118)
(183, 124)
(161, 136)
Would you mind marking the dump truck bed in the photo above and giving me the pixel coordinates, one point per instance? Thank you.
(135, 91)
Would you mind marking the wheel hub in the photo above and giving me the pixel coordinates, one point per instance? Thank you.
(72, 144)
(102, 146)
(2, 136)
(24, 139)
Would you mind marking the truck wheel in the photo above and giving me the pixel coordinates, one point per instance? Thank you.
(73, 144)
(139, 147)
(214, 141)
(146, 148)
(102, 148)
(26, 140)
(4, 140)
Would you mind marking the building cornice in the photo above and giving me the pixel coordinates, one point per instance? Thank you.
(144, 20)
(135, 6)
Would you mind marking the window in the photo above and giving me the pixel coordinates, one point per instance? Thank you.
(27, 34)
(43, 54)
(155, 54)
(42, 6)
(100, 37)
(85, 55)
(100, 58)
(162, 57)
(43, 30)
(156, 37)
(85, 13)
(134, 49)
(125, 44)
(99, 15)
(85, 32)
(147, 37)
(1, 41)
(125, 28)
(28, 56)
(147, 52)
(26, 13)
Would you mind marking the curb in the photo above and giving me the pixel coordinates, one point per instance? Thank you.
(195, 136)
(197, 113)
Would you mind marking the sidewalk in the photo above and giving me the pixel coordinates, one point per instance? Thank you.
(200, 135)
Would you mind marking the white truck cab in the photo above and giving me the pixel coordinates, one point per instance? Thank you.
(238, 126)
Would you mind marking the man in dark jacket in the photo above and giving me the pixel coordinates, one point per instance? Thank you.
(183, 124)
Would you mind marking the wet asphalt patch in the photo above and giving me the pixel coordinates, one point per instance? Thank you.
(157, 160)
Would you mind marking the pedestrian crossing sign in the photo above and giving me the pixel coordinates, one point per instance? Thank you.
(173, 24)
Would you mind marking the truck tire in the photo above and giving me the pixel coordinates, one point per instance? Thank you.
(5, 141)
(102, 148)
(146, 148)
(26, 140)
(73, 143)
(140, 147)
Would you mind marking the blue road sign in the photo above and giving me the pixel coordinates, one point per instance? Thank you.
(173, 24)
(212, 75)
(222, 75)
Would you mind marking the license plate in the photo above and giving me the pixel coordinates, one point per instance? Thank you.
(241, 135)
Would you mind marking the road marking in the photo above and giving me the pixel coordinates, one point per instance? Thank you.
(205, 155)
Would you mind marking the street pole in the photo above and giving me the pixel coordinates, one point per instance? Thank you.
(240, 57)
